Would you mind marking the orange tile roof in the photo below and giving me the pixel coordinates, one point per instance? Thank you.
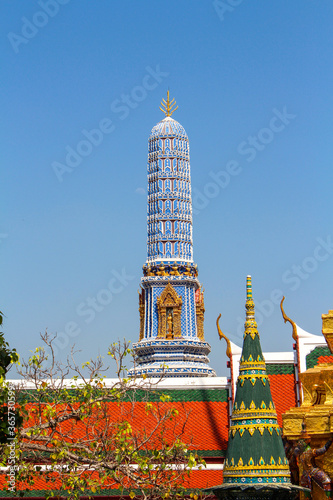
(283, 393)
(206, 428)
(325, 359)
(204, 479)
(206, 431)
(208, 424)
(196, 479)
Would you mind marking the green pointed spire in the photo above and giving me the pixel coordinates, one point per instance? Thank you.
(255, 453)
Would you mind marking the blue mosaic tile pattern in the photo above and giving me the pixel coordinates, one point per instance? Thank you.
(169, 221)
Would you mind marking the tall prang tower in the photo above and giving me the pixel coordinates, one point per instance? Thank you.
(171, 299)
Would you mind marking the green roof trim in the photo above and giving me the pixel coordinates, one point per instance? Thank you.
(280, 369)
(312, 357)
(210, 453)
(176, 395)
(188, 395)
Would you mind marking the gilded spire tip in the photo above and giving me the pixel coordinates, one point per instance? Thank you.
(248, 287)
(168, 107)
(249, 305)
(250, 322)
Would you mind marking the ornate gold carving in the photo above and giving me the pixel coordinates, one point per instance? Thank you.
(256, 470)
(328, 384)
(169, 303)
(250, 322)
(285, 317)
(168, 107)
(149, 271)
(188, 271)
(318, 394)
(253, 378)
(317, 385)
(222, 336)
(200, 313)
(307, 396)
(169, 334)
(250, 428)
(314, 418)
(256, 412)
(165, 269)
(161, 271)
(142, 312)
(317, 423)
(251, 365)
(175, 271)
(292, 425)
(328, 329)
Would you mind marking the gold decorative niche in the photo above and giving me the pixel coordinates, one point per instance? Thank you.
(142, 312)
(200, 312)
(315, 415)
(169, 305)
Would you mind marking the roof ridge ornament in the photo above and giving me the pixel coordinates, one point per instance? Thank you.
(167, 105)
(222, 336)
(285, 317)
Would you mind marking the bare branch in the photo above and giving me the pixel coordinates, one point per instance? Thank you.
(80, 427)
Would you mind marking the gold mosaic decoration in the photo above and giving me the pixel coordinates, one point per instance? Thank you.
(200, 314)
(169, 304)
(142, 312)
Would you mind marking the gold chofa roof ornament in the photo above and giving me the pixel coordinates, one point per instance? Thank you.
(168, 107)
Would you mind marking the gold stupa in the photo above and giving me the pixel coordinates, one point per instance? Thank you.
(314, 417)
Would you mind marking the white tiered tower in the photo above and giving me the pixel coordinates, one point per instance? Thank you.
(171, 302)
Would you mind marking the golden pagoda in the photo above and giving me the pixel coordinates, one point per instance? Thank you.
(312, 421)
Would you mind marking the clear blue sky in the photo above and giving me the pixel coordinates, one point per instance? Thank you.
(254, 87)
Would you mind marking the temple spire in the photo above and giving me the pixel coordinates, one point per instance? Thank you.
(171, 304)
(168, 107)
(255, 453)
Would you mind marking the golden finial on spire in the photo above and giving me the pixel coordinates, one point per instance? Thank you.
(249, 300)
(168, 105)
(250, 322)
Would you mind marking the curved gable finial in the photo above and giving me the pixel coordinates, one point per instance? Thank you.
(285, 317)
(222, 336)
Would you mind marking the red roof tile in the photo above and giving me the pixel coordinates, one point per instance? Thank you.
(325, 359)
(206, 430)
(283, 393)
(204, 479)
